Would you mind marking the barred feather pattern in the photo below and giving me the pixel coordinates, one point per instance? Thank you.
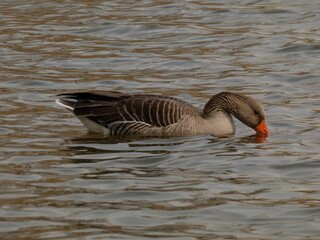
(133, 114)
(222, 101)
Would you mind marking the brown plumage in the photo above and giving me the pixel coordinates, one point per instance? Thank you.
(117, 113)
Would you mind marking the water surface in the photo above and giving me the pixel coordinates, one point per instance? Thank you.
(59, 182)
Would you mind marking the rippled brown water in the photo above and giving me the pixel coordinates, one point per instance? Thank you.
(58, 182)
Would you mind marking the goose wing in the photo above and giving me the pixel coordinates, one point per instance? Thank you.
(107, 107)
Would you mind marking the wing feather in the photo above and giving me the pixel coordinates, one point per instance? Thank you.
(109, 107)
(129, 128)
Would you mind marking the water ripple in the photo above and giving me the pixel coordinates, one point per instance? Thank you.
(59, 182)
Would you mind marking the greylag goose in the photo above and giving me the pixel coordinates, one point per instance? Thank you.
(115, 113)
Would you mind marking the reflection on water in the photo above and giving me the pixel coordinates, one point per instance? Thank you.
(58, 182)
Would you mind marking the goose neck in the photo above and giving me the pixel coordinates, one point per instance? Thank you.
(222, 102)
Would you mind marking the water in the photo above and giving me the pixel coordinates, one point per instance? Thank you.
(59, 182)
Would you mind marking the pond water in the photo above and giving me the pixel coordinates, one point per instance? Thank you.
(59, 182)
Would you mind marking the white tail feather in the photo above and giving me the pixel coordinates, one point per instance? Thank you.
(64, 105)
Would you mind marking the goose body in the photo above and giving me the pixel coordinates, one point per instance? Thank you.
(116, 113)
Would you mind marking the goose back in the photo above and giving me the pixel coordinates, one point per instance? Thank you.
(123, 113)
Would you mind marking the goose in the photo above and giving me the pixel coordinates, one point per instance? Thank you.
(116, 113)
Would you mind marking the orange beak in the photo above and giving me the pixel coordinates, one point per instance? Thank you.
(262, 128)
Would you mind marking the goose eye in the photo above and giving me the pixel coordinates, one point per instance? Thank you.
(256, 112)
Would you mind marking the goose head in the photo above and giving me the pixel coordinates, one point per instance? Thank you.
(244, 108)
(250, 112)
